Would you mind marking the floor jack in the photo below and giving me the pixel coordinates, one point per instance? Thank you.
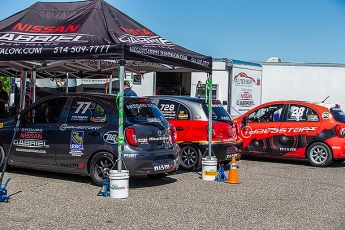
(3, 191)
(221, 175)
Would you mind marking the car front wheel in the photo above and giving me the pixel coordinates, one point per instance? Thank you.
(319, 154)
(190, 157)
(100, 166)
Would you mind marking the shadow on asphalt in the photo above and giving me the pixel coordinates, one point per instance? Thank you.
(134, 181)
(288, 161)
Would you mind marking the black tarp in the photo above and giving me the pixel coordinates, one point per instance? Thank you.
(63, 36)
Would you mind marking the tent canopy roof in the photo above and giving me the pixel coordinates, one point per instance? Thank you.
(88, 36)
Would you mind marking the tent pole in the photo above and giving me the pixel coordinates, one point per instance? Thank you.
(209, 85)
(23, 90)
(110, 84)
(120, 107)
(66, 84)
(34, 86)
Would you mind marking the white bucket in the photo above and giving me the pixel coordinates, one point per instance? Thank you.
(118, 183)
(209, 168)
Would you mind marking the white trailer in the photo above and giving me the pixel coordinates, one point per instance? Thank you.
(303, 81)
(237, 84)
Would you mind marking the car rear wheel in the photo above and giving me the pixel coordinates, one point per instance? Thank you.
(100, 166)
(319, 154)
(190, 157)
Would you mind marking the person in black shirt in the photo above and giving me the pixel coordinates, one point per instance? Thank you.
(128, 90)
(3, 101)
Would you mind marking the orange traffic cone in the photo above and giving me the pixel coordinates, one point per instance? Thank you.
(233, 176)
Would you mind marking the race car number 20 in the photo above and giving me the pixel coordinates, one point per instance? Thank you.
(82, 49)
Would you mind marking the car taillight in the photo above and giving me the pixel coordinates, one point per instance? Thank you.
(131, 137)
(173, 134)
(142, 100)
(339, 131)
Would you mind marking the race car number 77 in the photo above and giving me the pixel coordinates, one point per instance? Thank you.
(81, 104)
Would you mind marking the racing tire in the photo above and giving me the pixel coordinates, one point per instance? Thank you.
(190, 157)
(100, 165)
(2, 158)
(156, 176)
(319, 154)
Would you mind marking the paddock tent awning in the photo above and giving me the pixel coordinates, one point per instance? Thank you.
(66, 35)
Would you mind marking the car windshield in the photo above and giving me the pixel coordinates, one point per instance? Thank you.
(338, 114)
(144, 112)
(218, 112)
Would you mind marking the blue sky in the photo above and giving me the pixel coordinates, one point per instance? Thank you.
(247, 30)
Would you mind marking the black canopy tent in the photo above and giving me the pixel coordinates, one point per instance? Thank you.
(65, 36)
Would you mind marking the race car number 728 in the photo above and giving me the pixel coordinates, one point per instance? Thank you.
(167, 107)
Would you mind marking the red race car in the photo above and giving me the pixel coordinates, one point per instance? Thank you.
(295, 129)
(189, 115)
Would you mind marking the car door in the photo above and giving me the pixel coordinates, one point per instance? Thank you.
(35, 140)
(81, 131)
(260, 126)
(178, 115)
(301, 124)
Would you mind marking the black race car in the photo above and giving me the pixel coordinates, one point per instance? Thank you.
(78, 133)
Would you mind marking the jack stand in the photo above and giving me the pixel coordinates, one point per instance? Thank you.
(3, 192)
(221, 175)
(105, 188)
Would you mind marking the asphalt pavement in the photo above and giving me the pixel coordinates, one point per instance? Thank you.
(274, 194)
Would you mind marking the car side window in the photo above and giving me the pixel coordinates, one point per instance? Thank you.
(48, 111)
(300, 113)
(173, 110)
(84, 110)
(183, 113)
(271, 113)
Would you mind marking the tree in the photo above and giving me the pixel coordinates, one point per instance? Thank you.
(6, 82)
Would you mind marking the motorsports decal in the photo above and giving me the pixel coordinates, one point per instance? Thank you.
(63, 127)
(247, 131)
(31, 143)
(77, 142)
(163, 167)
(287, 141)
(111, 137)
(31, 138)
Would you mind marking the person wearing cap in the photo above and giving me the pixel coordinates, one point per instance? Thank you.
(127, 89)
(3, 100)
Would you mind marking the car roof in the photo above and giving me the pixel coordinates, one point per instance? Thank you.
(94, 95)
(183, 98)
(327, 105)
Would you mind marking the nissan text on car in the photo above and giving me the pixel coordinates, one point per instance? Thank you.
(295, 129)
(189, 115)
(78, 133)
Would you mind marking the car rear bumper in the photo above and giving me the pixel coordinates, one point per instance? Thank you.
(151, 162)
(223, 151)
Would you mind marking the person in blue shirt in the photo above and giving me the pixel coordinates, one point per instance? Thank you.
(128, 89)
